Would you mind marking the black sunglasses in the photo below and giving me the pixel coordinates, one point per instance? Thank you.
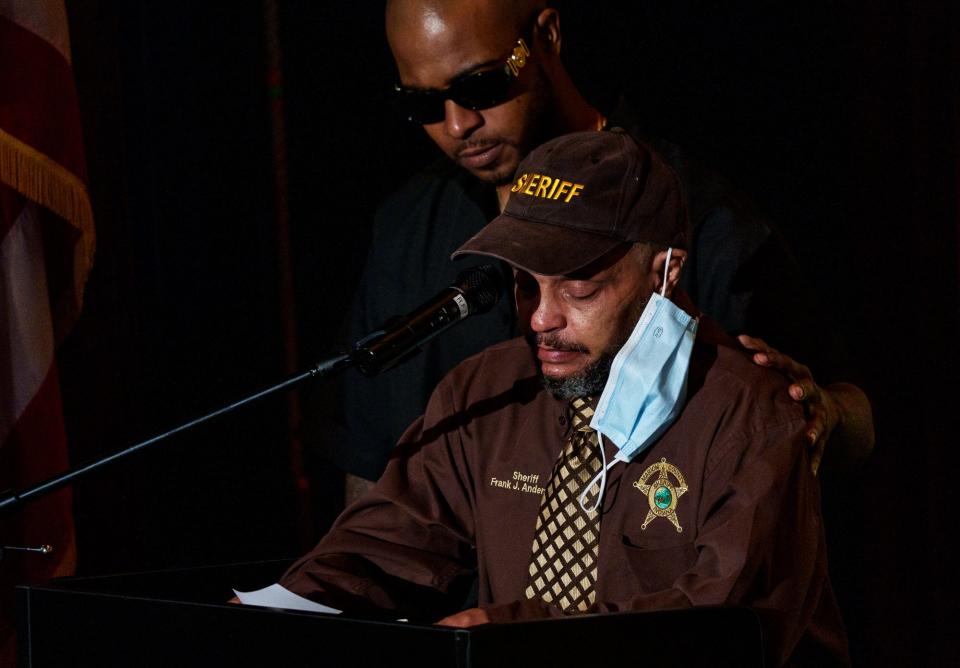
(474, 91)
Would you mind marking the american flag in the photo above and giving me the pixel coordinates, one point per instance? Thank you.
(46, 251)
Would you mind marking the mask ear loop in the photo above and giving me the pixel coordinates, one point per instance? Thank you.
(666, 272)
(601, 477)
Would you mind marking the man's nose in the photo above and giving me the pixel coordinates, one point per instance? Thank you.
(547, 316)
(459, 121)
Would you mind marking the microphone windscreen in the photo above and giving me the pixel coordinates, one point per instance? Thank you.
(481, 287)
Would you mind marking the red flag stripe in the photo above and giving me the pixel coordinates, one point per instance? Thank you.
(44, 19)
(38, 99)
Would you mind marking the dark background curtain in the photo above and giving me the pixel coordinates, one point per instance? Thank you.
(840, 119)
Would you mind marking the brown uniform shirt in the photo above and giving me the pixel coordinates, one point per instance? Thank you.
(462, 492)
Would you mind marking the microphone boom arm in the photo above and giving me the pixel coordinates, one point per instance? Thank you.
(16, 498)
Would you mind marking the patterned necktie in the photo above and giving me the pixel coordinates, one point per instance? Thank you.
(566, 543)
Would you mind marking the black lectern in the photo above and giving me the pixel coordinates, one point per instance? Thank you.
(179, 618)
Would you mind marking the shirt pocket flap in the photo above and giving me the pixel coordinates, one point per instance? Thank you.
(658, 561)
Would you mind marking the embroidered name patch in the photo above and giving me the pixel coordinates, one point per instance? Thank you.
(519, 482)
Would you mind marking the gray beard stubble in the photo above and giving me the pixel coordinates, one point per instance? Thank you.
(588, 383)
(591, 381)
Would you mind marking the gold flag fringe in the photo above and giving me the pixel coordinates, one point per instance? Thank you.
(48, 183)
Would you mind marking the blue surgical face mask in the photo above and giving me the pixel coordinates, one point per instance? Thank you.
(647, 385)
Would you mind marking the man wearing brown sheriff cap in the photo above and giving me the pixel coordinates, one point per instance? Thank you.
(505, 477)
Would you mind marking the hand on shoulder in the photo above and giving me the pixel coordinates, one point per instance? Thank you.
(840, 410)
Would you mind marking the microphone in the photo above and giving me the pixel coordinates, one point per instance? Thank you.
(476, 291)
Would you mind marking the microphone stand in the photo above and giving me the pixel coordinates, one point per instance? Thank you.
(16, 498)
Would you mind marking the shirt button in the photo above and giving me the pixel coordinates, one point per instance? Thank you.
(562, 420)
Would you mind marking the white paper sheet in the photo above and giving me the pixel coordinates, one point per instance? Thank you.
(276, 596)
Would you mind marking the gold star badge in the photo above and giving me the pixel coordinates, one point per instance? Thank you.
(662, 493)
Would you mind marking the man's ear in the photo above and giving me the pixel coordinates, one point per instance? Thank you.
(548, 26)
(677, 258)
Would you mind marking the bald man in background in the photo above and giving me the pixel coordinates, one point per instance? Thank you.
(486, 81)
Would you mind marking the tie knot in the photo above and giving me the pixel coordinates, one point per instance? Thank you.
(581, 412)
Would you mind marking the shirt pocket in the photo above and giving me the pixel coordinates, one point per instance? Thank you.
(657, 562)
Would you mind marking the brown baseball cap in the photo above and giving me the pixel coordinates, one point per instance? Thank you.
(579, 196)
